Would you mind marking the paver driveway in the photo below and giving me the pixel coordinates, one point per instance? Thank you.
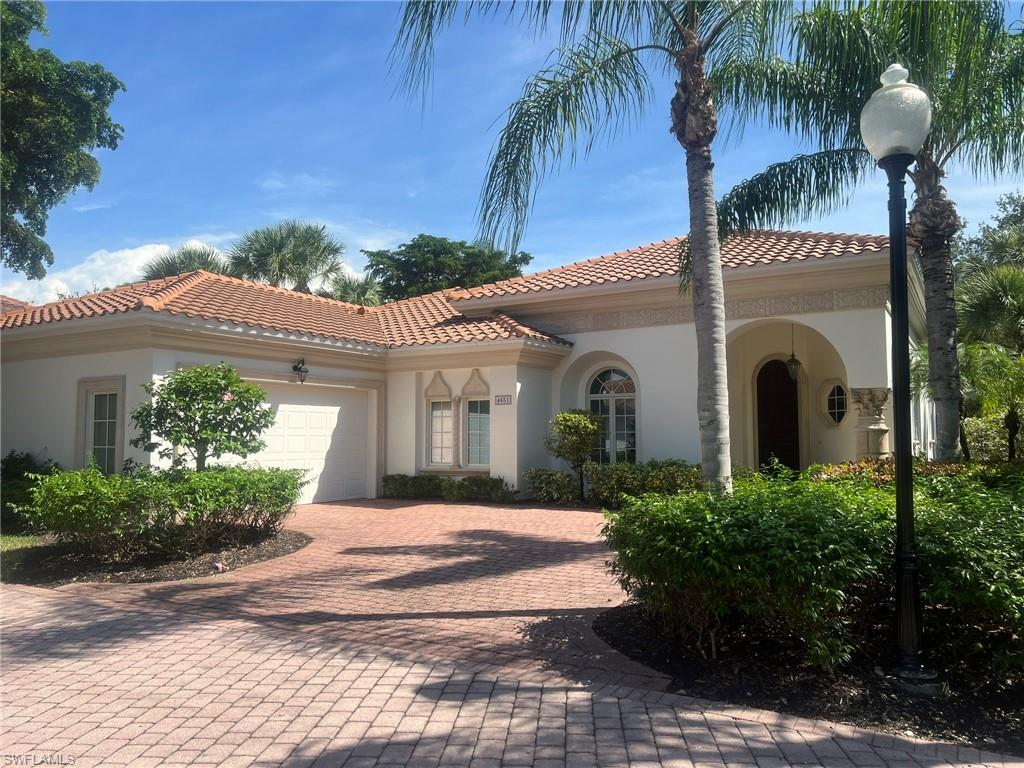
(405, 634)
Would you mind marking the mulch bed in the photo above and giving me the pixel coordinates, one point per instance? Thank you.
(53, 565)
(758, 672)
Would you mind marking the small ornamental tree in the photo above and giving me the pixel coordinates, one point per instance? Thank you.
(574, 436)
(205, 412)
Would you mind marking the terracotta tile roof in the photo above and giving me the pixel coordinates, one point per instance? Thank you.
(662, 260)
(424, 320)
(11, 304)
(431, 319)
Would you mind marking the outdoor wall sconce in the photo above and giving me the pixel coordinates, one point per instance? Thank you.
(792, 365)
(301, 370)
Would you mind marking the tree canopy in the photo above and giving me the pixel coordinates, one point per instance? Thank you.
(428, 263)
(999, 242)
(54, 114)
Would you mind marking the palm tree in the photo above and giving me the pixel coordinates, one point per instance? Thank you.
(601, 80)
(970, 65)
(1001, 390)
(363, 290)
(187, 258)
(991, 306)
(293, 254)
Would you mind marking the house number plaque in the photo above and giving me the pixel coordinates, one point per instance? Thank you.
(503, 399)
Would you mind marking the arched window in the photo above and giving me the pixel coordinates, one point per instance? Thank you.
(612, 398)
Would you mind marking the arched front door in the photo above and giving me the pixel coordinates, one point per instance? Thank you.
(778, 425)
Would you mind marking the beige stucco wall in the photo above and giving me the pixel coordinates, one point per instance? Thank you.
(662, 361)
(407, 418)
(40, 400)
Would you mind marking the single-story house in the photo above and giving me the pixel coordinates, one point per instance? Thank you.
(464, 381)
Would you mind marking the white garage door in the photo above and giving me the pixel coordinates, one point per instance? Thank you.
(323, 430)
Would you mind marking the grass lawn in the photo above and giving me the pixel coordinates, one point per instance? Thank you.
(13, 549)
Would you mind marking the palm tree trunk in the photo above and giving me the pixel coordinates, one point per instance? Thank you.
(695, 124)
(1012, 423)
(933, 225)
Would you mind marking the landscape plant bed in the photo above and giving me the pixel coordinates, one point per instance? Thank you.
(755, 671)
(53, 565)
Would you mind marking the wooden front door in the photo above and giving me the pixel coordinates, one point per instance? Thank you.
(778, 418)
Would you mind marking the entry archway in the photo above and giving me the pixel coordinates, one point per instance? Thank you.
(778, 415)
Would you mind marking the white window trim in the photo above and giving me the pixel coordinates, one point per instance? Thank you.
(430, 432)
(589, 382)
(465, 420)
(87, 388)
(823, 392)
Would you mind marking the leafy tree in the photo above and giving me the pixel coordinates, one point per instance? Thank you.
(54, 113)
(428, 263)
(1001, 242)
(291, 254)
(601, 80)
(354, 289)
(574, 436)
(991, 306)
(187, 258)
(972, 67)
(206, 411)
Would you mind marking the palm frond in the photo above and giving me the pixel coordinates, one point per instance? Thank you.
(291, 253)
(187, 258)
(363, 290)
(793, 190)
(593, 90)
(990, 306)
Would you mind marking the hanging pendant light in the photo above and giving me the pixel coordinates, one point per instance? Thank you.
(792, 365)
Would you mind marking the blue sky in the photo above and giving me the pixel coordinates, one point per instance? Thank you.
(237, 115)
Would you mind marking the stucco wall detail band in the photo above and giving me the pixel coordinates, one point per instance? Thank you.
(740, 309)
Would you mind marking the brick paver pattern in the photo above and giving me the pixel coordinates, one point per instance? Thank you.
(403, 635)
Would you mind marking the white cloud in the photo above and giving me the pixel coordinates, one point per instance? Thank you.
(296, 184)
(100, 269)
(86, 207)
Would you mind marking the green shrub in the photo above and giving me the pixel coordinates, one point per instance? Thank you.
(986, 438)
(228, 505)
(607, 483)
(552, 486)
(970, 540)
(479, 488)
(15, 485)
(113, 517)
(797, 557)
(673, 476)
(174, 513)
(469, 488)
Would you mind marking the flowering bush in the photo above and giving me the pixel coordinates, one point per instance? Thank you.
(205, 412)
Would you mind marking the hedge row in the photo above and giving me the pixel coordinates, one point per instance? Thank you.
(469, 488)
(607, 484)
(178, 513)
(811, 559)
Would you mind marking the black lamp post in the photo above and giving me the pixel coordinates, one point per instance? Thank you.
(894, 124)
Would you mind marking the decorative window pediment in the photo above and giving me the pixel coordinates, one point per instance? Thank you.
(476, 387)
(438, 389)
